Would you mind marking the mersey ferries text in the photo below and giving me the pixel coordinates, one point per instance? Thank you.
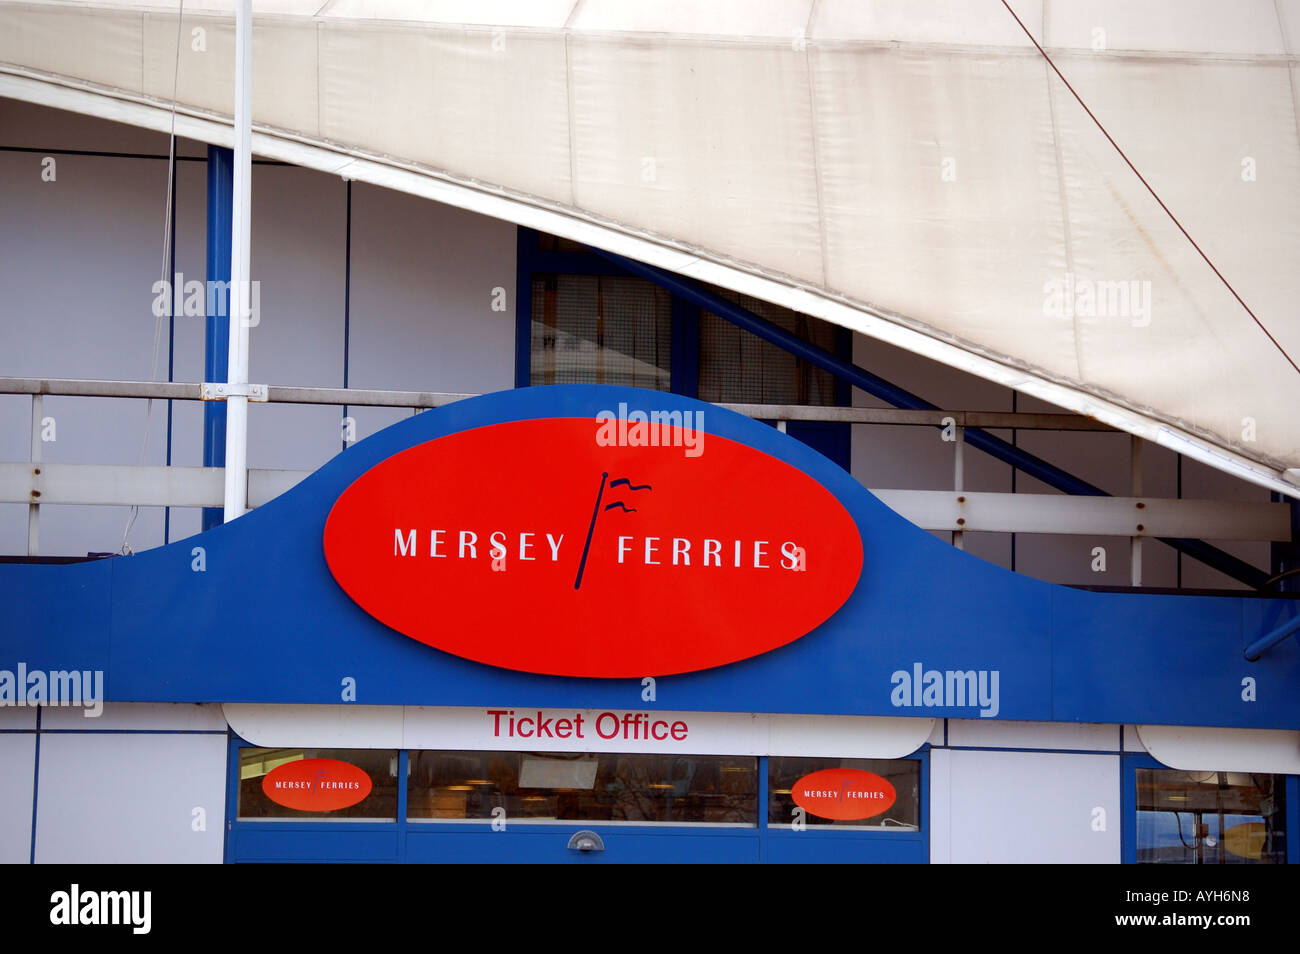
(529, 546)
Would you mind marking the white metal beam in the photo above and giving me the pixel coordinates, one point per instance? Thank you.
(359, 397)
(113, 485)
(1098, 516)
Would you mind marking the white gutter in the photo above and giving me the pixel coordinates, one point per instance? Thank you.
(236, 495)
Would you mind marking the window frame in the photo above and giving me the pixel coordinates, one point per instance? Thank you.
(830, 438)
(1131, 762)
(365, 840)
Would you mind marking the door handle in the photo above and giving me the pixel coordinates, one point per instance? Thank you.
(586, 840)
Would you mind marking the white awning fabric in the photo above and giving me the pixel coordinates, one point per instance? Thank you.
(912, 170)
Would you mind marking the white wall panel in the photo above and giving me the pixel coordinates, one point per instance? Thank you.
(422, 293)
(17, 762)
(940, 806)
(1014, 807)
(138, 716)
(17, 717)
(298, 241)
(128, 798)
(78, 259)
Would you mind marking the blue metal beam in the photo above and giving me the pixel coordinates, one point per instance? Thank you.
(877, 386)
(221, 190)
(171, 325)
(1262, 645)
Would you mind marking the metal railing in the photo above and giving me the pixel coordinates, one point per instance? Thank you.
(957, 511)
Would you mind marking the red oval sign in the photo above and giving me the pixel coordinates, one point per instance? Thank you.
(844, 794)
(541, 546)
(316, 785)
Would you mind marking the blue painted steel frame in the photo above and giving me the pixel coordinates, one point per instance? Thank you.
(1129, 764)
(405, 841)
(1293, 819)
(221, 171)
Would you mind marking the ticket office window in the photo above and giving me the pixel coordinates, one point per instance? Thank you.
(597, 788)
(1202, 818)
(560, 788)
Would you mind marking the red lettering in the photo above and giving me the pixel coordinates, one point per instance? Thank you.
(563, 728)
(679, 726)
(522, 733)
(600, 721)
(543, 727)
(654, 730)
(496, 720)
(577, 719)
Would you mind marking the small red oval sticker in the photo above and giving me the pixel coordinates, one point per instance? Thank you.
(538, 546)
(316, 785)
(844, 794)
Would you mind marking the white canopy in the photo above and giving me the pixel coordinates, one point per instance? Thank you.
(914, 171)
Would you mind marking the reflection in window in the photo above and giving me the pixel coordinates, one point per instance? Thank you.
(607, 788)
(1210, 818)
(601, 329)
(903, 774)
(379, 764)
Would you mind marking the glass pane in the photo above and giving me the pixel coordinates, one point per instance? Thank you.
(1210, 818)
(599, 329)
(300, 781)
(903, 774)
(589, 787)
(739, 367)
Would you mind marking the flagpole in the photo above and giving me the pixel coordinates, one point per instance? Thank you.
(590, 530)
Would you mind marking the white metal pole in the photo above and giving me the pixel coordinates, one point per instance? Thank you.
(34, 509)
(1135, 484)
(236, 496)
(959, 479)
